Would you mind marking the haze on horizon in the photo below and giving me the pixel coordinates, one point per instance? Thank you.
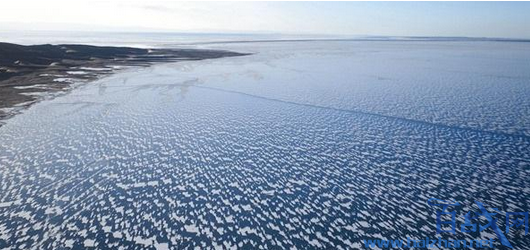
(469, 19)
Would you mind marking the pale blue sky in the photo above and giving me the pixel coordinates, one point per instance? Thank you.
(473, 19)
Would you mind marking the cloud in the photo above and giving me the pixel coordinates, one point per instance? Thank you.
(367, 18)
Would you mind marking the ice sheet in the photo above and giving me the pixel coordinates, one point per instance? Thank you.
(315, 144)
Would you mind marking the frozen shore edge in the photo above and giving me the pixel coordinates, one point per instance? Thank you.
(29, 73)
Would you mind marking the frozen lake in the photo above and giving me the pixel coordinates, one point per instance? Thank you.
(316, 144)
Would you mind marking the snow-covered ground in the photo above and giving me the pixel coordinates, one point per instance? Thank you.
(306, 144)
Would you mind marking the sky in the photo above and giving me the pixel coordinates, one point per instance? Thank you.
(469, 19)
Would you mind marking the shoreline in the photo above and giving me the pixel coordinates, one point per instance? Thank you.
(30, 73)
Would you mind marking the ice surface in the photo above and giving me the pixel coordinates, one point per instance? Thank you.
(313, 145)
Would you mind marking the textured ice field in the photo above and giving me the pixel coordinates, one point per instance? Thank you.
(305, 144)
